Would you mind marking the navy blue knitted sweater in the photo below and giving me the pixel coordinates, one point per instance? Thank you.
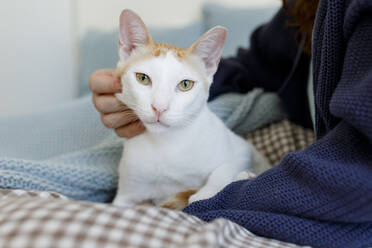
(321, 196)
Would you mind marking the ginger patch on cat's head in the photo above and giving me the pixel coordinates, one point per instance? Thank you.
(162, 49)
(149, 51)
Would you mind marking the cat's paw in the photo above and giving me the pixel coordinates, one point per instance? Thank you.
(244, 175)
(178, 201)
(124, 202)
(203, 195)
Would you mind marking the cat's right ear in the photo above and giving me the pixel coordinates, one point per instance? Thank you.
(209, 48)
(132, 33)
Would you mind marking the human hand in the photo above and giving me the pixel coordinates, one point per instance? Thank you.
(114, 114)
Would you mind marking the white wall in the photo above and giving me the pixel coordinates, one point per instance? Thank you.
(37, 54)
(104, 15)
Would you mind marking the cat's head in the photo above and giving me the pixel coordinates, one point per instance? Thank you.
(164, 85)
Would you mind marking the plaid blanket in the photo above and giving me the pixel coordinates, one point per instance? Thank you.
(42, 219)
(37, 219)
(278, 139)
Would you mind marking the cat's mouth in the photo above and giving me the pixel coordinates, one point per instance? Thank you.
(157, 123)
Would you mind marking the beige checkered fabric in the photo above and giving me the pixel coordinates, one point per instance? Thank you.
(40, 219)
(44, 219)
(278, 139)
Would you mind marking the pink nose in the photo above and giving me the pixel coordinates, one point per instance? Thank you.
(158, 111)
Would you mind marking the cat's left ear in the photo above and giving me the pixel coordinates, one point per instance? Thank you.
(132, 33)
(209, 48)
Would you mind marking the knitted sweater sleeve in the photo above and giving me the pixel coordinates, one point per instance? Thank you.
(272, 62)
(320, 196)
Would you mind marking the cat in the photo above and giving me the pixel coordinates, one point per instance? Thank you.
(185, 145)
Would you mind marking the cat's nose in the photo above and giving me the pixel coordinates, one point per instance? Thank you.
(158, 111)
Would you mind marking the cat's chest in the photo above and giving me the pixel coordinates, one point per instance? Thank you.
(175, 163)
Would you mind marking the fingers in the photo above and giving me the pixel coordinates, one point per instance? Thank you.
(119, 119)
(108, 104)
(105, 82)
(124, 121)
(130, 130)
(114, 114)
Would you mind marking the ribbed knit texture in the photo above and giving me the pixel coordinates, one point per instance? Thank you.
(321, 196)
(67, 150)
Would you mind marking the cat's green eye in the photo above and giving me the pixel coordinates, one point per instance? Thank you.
(185, 85)
(143, 78)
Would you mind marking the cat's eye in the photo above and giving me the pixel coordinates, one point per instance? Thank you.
(185, 85)
(143, 78)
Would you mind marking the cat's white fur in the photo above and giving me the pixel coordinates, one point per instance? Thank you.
(189, 147)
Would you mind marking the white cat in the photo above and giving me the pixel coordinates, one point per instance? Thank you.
(185, 145)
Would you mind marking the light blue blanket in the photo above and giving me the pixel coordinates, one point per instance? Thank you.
(67, 150)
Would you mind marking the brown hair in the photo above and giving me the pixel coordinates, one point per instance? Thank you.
(304, 13)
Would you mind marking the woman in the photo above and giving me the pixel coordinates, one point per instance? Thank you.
(321, 196)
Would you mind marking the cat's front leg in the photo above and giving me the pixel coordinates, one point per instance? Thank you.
(217, 180)
(130, 193)
(204, 193)
(124, 201)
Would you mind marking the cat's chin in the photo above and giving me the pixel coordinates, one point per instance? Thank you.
(156, 127)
